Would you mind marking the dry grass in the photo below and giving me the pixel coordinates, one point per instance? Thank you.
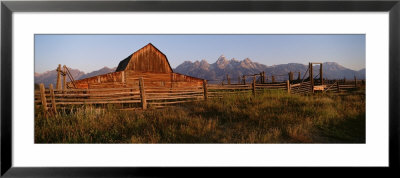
(272, 117)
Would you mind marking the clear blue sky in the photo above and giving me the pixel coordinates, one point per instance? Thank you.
(92, 52)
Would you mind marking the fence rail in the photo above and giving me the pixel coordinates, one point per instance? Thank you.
(142, 96)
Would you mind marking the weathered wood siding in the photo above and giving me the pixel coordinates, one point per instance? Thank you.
(161, 79)
(110, 80)
(131, 79)
(149, 59)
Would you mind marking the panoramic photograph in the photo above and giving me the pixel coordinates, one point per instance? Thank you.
(200, 88)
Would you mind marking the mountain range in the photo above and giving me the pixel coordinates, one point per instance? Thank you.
(234, 68)
(216, 72)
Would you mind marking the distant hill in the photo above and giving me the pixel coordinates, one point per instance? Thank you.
(217, 71)
(51, 76)
(362, 72)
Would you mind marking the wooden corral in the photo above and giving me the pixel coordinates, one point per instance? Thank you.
(142, 95)
(304, 85)
(149, 63)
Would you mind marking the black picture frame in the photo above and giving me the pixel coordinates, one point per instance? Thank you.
(8, 7)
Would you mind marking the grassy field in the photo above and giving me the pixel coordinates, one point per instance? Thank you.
(271, 117)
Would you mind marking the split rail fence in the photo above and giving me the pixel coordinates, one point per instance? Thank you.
(142, 96)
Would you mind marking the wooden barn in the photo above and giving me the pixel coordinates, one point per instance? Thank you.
(149, 63)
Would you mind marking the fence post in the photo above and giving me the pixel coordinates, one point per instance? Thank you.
(299, 77)
(65, 78)
(205, 89)
(227, 78)
(337, 86)
(273, 79)
(59, 77)
(320, 74)
(263, 77)
(53, 100)
(142, 93)
(355, 82)
(244, 80)
(290, 76)
(254, 86)
(288, 86)
(43, 98)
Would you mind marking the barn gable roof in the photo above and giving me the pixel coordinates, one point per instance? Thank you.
(124, 63)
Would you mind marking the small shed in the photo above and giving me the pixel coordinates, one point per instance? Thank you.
(149, 63)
